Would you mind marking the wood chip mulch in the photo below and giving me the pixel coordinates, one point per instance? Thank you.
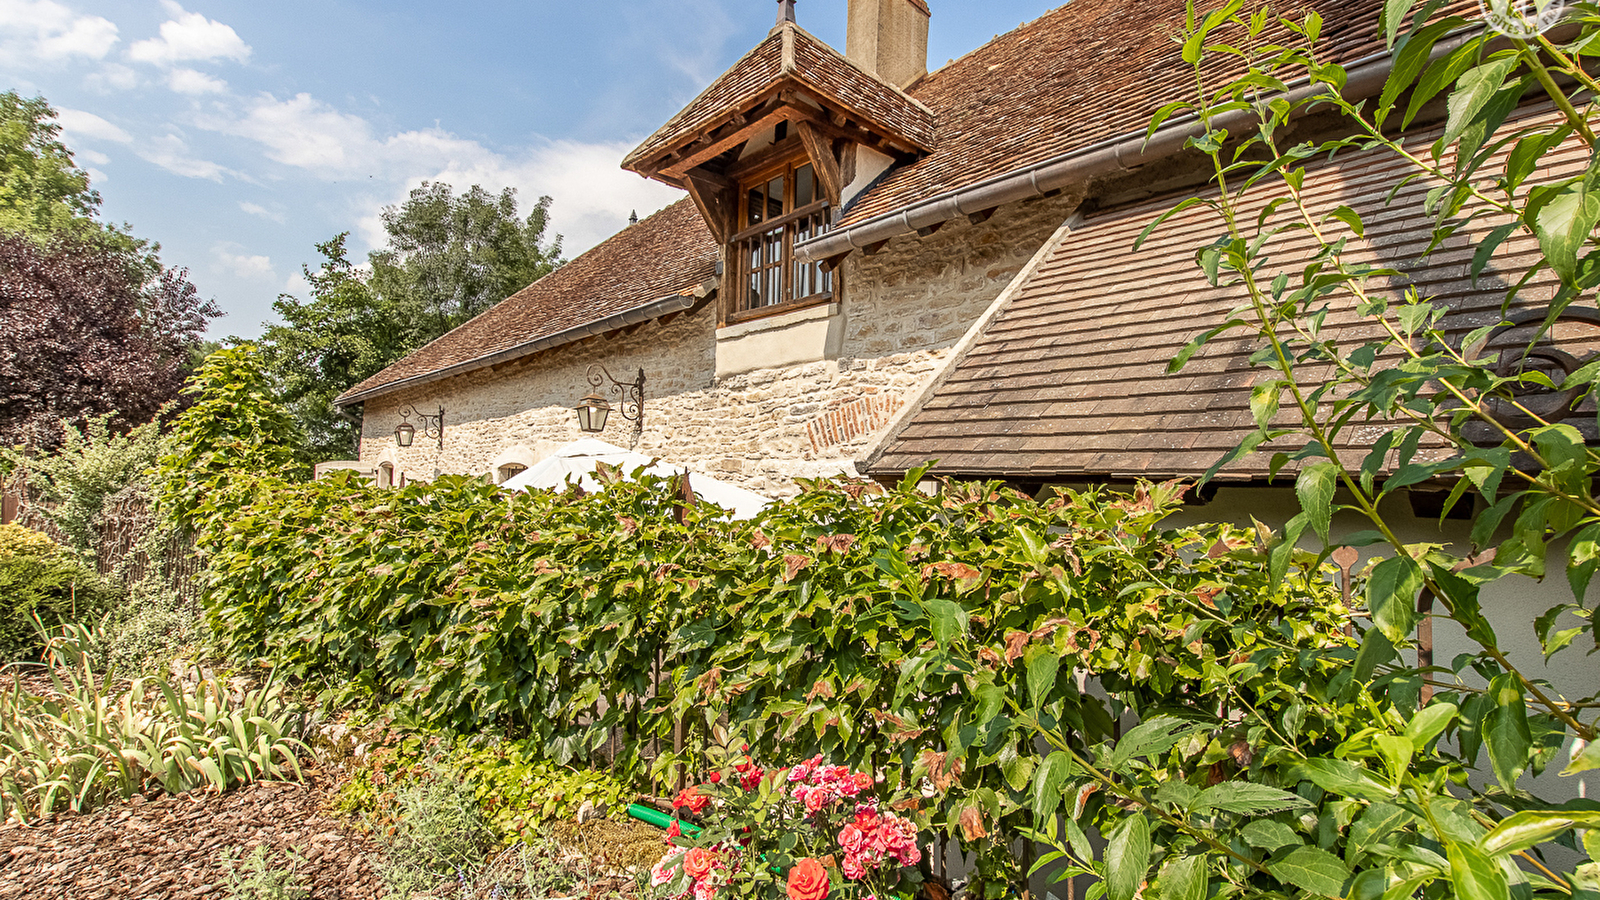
(168, 848)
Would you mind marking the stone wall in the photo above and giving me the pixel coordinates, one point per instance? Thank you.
(904, 309)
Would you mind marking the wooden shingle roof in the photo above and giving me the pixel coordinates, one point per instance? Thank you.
(1069, 381)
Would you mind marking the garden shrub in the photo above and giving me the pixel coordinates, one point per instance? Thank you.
(92, 465)
(44, 585)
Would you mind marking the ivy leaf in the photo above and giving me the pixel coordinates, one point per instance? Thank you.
(1506, 732)
(1128, 857)
(1247, 798)
(1311, 869)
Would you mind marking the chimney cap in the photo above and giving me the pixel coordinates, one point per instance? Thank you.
(785, 11)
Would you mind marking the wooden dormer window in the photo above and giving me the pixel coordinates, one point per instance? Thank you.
(779, 206)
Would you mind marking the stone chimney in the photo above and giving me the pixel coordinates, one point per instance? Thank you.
(889, 38)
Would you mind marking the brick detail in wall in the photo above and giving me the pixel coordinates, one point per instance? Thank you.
(853, 420)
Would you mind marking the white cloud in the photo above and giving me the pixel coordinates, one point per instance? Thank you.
(171, 153)
(79, 124)
(96, 177)
(592, 194)
(190, 36)
(43, 31)
(93, 157)
(231, 258)
(112, 77)
(256, 209)
(297, 284)
(189, 81)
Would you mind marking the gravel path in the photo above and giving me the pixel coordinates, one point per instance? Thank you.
(168, 848)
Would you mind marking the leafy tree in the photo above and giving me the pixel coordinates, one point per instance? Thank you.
(42, 191)
(83, 335)
(454, 257)
(346, 333)
(449, 258)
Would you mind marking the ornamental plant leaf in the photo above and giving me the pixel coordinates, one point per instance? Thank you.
(1269, 835)
(1128, 857)
(1047, 783)
(1246, 798)
(1506, 732)
(1474, 875)
(1313, 870)
(1392, 593)
(1315, 487)
(1184, 878)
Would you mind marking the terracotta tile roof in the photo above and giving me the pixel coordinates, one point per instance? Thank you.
(1070, 379)
(791, 55)
(1088, 71)
(667, 254)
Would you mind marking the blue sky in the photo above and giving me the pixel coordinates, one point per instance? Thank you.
(240, 134)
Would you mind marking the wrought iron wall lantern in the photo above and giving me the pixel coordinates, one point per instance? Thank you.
(431, 426)
(1530, 343)
(593, 410)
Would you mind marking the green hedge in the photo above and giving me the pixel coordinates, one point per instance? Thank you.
(917, 634)
(42, 580)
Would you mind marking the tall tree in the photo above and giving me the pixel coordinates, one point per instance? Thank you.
(42, 190)
(81, 336)
(449, 258)
(453, 257)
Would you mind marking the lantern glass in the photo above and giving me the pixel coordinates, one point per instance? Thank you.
(404, 434)
(592, 411)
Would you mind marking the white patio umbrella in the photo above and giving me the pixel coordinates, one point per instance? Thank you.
(576, 462)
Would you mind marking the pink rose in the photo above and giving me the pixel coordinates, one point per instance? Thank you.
(850, 839)
(808, 880)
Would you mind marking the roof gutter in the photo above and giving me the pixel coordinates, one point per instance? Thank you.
(638, 315)
(1365, 78)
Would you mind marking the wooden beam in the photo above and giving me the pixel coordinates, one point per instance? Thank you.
(930, 230)
(978, 218)
(716, 200)
(835, 261)
(715, 145)
(820, 149)
(874, 248)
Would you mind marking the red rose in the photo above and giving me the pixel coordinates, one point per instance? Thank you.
(692, 799)
(697, 863)
(716, 778)
(808, 880)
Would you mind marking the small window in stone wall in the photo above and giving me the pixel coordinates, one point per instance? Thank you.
(385, 475)
(510, 471)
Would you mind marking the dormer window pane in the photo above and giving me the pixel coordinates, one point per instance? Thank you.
(805, 186)
(774, 198)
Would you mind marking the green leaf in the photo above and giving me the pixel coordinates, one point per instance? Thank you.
(1473, 91)
(1047, 783)
(1247, 798)
(1392, 596)
(1149, 739)
(1474, 875)
(1429, 722)
(1043, 665)
(1315, 487)
(1563, 216)
(1184, 879)
(1506, 732)
(1269, 835)
(1394, 16)
(1377, 823)
(1310, 869)
(1584, 760)
(1338, 776)
(1264, 401)
(1128, 857)
(949, 621)
(1523, 830)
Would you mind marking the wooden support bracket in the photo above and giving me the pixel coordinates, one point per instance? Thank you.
(819, 148)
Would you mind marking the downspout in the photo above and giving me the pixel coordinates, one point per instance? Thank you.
(1365, 78)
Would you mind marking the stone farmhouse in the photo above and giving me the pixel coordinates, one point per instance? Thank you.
(875, 266)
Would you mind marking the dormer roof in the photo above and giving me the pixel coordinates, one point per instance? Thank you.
(790, 76)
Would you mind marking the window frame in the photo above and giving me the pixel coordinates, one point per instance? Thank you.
(740, 251)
